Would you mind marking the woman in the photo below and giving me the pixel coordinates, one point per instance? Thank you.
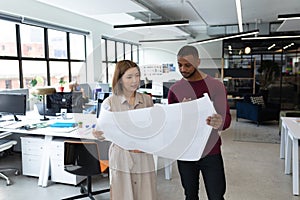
(132, 173)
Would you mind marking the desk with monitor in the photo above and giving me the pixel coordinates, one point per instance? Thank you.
(30, 124)
(48, 134)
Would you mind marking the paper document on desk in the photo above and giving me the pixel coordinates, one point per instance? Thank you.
(177, 131)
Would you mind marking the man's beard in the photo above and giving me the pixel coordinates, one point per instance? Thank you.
(189, 75)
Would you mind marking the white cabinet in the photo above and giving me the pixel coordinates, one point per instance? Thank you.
(32, 150)
(58, 174)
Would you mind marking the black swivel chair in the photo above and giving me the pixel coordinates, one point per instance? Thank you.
(82, 158)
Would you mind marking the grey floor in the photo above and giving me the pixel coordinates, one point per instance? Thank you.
(254, 171)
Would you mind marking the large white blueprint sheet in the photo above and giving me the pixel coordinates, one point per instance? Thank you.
(176, 131)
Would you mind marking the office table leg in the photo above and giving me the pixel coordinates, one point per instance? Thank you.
(288, 152)
(155, 158)
(168, 168)
(282, 140)
(45, 163)
(295, 167)
(167, 165)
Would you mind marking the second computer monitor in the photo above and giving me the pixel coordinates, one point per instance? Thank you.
(14, 104)
(72, 101)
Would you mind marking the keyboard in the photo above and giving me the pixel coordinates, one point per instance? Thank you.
(5, 123)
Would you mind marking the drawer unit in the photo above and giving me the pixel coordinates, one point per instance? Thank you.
(58, 174)
(32, 150)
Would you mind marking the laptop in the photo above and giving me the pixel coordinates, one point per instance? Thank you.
(48, 112)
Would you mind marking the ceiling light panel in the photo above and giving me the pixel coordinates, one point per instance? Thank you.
(153, 24)
(254, 32)
(288, 16)
(239, 14)
(271, 37)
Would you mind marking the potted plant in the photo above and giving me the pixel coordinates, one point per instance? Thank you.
(61, 83)
(34, 98)
(35, 81)
(269, 72)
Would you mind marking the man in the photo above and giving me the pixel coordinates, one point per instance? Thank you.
(192, 86)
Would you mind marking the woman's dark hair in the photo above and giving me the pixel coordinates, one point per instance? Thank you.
(121, 67)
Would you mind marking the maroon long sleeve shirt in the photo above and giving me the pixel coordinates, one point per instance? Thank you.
(218, 95)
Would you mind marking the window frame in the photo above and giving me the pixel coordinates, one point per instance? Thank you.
(106, 62)
(46, 57)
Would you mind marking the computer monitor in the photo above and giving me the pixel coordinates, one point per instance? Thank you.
(166, 87)
(18, 91)
(13, 103)
(72, 101)
(104, 87)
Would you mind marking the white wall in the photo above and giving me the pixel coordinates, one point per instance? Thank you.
(162, 53)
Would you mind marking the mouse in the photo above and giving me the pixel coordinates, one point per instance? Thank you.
(27, 127)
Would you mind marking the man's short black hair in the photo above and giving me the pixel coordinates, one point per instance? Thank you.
(188, 50)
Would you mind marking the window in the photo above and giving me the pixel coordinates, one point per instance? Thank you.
(45, 53)
(78, 71)
(57, 44)
(128, 54)
(32, 41)
(9, 73)
(77, 45)
(8, 39)
(113, 51)
(33, 69)
(135, 53)
(58, 70)
(120, 51)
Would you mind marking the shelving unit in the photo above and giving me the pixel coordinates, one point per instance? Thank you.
(238, 75)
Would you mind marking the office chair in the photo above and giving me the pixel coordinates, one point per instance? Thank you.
(82, 158)
(101, 97)
(6, 145)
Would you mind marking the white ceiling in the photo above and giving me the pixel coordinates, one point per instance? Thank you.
(201, 13)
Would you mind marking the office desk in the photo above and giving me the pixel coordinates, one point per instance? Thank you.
(49, 134)
(290, 134)
(80, 133)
